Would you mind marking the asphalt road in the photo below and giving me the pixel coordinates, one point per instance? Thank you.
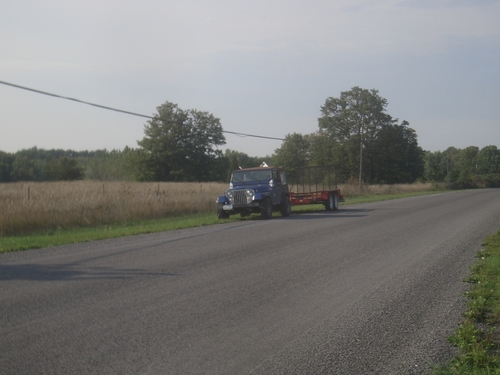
(369, 289)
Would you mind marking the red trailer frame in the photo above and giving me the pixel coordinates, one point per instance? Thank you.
(320, 197)
(315, 185)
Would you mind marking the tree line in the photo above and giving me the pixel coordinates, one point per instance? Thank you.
(355, 134)
(467, 168)
(366, 145)
(40, 165)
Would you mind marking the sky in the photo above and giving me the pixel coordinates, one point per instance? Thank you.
(261, 67)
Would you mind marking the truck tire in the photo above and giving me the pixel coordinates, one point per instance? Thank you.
(286, 207)
(222, 214)
(333, 202)
(266, 208)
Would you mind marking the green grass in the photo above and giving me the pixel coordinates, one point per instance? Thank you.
(73, 235)
(385, 197)
(476, 336)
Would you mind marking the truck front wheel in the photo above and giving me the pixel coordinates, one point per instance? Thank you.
(285, 207)
(266, 208)
(221, 214)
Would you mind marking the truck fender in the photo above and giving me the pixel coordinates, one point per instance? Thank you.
(222, 199)
(259, 196)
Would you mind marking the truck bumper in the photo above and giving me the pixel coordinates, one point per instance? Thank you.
(223, 204)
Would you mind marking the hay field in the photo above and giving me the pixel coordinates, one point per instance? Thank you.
(29, 207)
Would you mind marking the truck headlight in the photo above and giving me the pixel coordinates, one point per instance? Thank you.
(250, 195)
(230, 196)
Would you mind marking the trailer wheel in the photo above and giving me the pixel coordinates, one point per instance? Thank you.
(286, 207)
(266, 208)
(333, 202)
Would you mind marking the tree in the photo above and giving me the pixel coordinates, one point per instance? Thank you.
(181, 145)
(24, 169)
(62, 169)
(108, 165)
(467, 165)
(435, 166)
(466, 168)
(451, 160)
(488, 160)
(237, 159)
(394, 155)
(351, 122)
(6, 168)
(293, 154)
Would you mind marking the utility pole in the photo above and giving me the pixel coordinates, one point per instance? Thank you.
(447, 168)
(361, 161)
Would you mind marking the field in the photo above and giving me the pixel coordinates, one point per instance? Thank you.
(37, 207)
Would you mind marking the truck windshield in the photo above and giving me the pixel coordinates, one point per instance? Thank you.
(249, 176)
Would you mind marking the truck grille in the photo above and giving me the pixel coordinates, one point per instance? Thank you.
(240, 197)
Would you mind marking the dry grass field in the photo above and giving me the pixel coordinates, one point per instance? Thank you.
(29, 207)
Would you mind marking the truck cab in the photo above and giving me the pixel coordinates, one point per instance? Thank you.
(255, 190)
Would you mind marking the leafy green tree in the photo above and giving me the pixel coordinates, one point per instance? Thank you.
(435, 166)
(233, 162)
(139, 165)
(488, 160)
(467, 165)
(36, 164)
(25, 169)
(236, 159)
(394, 155)
(451, 161)
(443, 166)
(180, 145)
(108, 166)
(293, 154)
(363, 141)
(6, 168)
(218, 172)
(351, 123)
(62, 169)
(239, 159)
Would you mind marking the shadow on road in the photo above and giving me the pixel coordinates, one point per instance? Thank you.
(340, 213)
(65, 272)
(314, 214)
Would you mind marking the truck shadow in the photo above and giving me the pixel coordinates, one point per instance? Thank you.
(65, 272)
(314, 214)
(340, 213)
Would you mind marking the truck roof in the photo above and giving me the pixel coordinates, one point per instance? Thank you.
(256, 169)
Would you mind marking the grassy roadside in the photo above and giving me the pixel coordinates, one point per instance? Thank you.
(74, 235)
(48, 238)
(478, 335)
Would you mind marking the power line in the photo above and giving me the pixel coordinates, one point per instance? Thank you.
(73, 99)
(123, 111)
(253, 135)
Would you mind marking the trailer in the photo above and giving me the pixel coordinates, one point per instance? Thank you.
(315, 185)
